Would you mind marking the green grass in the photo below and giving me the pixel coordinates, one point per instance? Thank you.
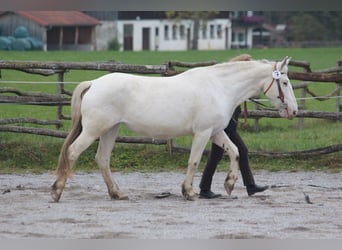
(22, 152)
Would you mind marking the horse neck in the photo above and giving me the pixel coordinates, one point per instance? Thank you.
(247, 79)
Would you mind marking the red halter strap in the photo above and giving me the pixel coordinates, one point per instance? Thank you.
(269, 86)
(281, 94)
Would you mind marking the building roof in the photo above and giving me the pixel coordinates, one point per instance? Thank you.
(59, 18)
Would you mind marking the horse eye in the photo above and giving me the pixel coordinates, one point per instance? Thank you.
(285, 83)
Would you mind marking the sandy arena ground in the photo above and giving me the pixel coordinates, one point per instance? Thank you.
(298, 205)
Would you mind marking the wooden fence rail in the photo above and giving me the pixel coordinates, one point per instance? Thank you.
(334, 116)
(62, 97)
(63, 134)
(102, 66)
(316, 76)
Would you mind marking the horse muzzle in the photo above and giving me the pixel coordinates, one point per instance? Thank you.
(286, 112)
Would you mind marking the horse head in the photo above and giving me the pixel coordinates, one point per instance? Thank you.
(280, 92)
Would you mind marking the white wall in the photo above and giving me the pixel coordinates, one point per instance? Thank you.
(217, 38)
(173, 41)
(104, 34)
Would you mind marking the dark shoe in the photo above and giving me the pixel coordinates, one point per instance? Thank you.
(252, 189)
(208, 194)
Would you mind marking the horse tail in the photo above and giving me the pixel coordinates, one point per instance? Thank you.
(64, 168)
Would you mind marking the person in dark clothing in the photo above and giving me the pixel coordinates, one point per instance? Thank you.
(216, 155)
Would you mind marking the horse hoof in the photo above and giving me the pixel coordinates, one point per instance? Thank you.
(190, 197)
(55, 196)
(229, 188)
(56, 192)
(123, 197)
(119, 196)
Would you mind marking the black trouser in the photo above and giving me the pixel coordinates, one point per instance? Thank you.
(217, 152)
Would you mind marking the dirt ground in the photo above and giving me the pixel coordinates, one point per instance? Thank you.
(298, 205)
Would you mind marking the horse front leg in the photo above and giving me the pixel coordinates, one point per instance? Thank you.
(222, 140)
(199, 142)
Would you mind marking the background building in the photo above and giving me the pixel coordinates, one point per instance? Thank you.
(135, 30)
(57, 30)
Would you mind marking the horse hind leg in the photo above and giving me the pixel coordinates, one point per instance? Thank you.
(82, 142)
(223, 141)
(106, 144)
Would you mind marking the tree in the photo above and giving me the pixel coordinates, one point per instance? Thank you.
(332, 22)
(308, 25)
(196, 18)
(305, 27)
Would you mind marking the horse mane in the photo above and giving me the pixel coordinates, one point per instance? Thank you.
(236, 61)
(242, 57)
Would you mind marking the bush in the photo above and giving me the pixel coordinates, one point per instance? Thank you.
(114, 44)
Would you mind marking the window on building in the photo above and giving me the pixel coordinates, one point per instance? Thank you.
(182, 32)
(166, 32)
(238, 14)
(204, 31)
(235, 14)
(219, 31)
(174, 32)
(233, 36)
(212, 31)
(241, 37)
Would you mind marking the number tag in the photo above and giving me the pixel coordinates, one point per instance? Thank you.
(276, 74)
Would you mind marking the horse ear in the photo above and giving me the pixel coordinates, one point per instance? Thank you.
(285, 62)
(288, 59)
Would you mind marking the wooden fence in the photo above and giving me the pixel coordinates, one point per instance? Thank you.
(62, 98)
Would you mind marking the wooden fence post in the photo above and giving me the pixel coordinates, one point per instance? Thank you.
(256, 120)
(338, 98)
(338, 94)
(303, 94)
(302, 106)
(60, 91)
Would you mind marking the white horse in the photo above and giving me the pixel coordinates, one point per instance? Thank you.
(198, 102)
